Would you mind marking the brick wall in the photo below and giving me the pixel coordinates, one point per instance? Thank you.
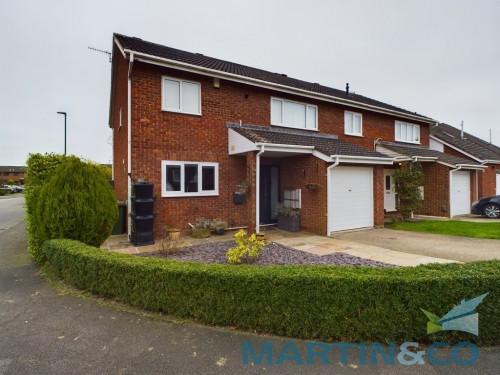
(436, 192)
(120, 157)
(159, 135)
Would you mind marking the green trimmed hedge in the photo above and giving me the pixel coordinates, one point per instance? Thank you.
(311, 302)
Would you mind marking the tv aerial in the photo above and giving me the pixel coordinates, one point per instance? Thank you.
(101, 51)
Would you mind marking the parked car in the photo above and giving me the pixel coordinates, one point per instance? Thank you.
(489, 207)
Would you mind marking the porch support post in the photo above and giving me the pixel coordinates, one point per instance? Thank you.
(250, 217)
(257, 189)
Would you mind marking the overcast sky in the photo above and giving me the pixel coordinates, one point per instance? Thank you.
(440, 58)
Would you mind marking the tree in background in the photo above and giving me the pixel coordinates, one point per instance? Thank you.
(408, 181)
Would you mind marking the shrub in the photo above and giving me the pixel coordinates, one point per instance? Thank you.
(39, 169)
(312, 302)
(247, 249)
(408, 182)
(78, 203)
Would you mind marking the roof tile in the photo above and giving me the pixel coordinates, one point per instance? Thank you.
(199, 60)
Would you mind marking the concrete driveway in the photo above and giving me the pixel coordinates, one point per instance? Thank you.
(461, 249)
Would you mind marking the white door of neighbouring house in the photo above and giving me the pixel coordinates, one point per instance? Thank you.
(389, 191)
(350, 198)
(460, 193)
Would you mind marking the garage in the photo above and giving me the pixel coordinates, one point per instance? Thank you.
(460, 193)
(350, 198)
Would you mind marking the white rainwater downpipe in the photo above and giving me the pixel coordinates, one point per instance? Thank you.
(451, 185)
(129, 146)
(257, 189)
(329, 193)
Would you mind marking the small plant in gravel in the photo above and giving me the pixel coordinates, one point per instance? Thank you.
(168, 245)
(247, 249)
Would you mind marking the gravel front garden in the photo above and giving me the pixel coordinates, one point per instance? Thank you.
(273, 254)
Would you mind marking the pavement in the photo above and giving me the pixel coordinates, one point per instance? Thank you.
(49, 329)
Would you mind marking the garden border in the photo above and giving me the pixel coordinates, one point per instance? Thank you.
(341, 303)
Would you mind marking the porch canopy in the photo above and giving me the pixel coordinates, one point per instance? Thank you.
(283, 142)
(277, 142)
(404, 152)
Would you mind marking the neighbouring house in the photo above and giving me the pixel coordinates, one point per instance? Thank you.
(227, 141)
(12, 173)
(449, 181)
(453, 141)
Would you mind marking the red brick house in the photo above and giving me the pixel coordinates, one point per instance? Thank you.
(12, 173)
(200, 128)
(453, 141)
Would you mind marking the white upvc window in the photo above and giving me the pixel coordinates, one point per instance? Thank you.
(353, 123)
(181, 96)
(408, 133)
(294, 114)
(188, 178)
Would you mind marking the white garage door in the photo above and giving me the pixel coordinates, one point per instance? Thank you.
(460, 193)
(350, 198)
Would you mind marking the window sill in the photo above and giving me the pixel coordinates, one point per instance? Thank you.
(354, 135)
(410, 142)
(188, 195)
(180, 112)
(292, 127)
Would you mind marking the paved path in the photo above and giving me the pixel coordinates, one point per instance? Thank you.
(461, 249)
(44, 331)
(11, 210)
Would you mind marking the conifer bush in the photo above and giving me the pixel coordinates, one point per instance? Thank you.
(39, 169)
(76, 203)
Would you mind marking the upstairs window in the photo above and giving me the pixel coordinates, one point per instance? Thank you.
(294, 114)
(353, 123)
(185, 178)
(408, 133)
(181, 96)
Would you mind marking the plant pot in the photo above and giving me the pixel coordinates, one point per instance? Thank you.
(219, 231)
(200, 232)
(291, 224)
(238, 198)
(173, 234)
(261, 236)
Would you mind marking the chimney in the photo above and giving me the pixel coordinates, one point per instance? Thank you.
(347, 88)
(462, 131)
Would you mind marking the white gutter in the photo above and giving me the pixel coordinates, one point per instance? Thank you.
(129, 146)
(257, 189)
(361, 159)
(256, 82)
(279, 145)
(424, 158)
(329, 196)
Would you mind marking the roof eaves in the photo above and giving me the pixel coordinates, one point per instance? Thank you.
(459, 149)
(140, 56)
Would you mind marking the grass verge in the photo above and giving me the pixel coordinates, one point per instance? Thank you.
(452, 228)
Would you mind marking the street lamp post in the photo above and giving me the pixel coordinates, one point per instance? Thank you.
(64, 113)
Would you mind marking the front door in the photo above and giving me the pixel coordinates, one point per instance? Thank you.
(269, 194)
(389, 191)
